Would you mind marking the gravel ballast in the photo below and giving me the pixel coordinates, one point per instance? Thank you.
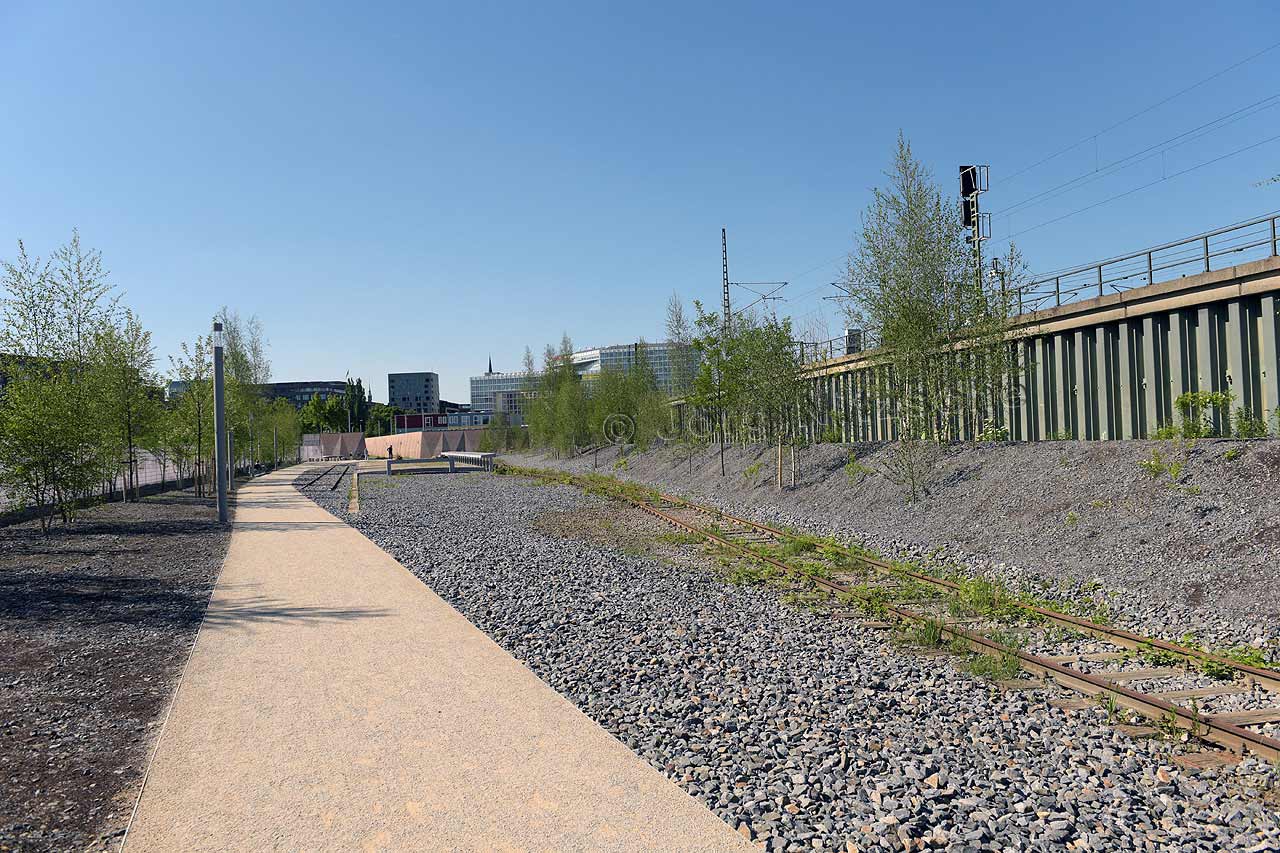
(802, 731)
(96, 622)
(1197, 553)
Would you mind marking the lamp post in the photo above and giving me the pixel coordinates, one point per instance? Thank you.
(220, 441)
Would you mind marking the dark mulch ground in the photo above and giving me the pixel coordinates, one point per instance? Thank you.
(96, 621)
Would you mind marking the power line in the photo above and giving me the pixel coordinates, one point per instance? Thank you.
(1142, 112)
(817, 267)
(1146, 186)
(1141, 263)
(1137, 157)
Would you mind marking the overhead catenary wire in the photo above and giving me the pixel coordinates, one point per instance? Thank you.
(1148, 153)
(1145, 186)
(1092, 136)
(1040, 276)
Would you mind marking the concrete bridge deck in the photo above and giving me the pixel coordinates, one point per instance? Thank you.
(334, 702)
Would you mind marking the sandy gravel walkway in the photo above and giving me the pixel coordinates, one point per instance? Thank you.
(334, 702)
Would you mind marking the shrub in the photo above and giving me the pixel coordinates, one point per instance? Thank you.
(1247, 426)
(992, 432)
(1196, 409)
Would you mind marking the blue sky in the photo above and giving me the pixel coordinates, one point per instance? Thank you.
(417, 186)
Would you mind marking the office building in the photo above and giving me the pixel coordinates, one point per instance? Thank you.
(508, 393)
(414, 392)
(297, 393)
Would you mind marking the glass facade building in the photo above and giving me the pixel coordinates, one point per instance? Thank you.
(507, 393)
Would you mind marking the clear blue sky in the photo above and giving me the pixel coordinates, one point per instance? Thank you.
(396, 187)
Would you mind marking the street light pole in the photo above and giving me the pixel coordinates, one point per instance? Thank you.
(220, 444)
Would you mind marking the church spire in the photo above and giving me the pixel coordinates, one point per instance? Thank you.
(491, 364)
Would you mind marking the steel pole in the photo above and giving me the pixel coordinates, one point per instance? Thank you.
(220, 444)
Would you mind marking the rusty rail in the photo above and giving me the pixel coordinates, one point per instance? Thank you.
(1265, 677)
(1234, 738)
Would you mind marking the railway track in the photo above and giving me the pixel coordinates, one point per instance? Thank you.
(1002, 629)
(318, 478)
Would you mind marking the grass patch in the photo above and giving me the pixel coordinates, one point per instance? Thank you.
(1002, 665)
(871, 600)
(985, 597)
(927, 633)
(753, 573)
(679, 538)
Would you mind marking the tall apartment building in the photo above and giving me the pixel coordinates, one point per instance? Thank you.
(414, 392)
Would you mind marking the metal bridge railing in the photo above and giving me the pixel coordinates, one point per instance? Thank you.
(1222, 247)
(1244, 241)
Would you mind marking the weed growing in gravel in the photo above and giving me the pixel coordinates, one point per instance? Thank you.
(808, 600)
(1003, 665)
(1189, 640)
(1233, 454)
(1107, 701)
(1247, 655)
(679, 538)
(855, 470)
(1153, 465)
(909, 590)
(1248, 426)
(871, 600)
(992, 432)
(984, 597)
(994, 667)
(1073, 518)
(796, 546)
(927, 633)
(1159, 657)
(1215, 670)
(752, 573)
(751, 473)
(1056, 634)
(1196, 409)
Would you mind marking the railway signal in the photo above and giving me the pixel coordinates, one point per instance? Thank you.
(974, 181)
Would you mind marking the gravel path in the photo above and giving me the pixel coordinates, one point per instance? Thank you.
(95, 624)
(1198, 554)
(808, 733)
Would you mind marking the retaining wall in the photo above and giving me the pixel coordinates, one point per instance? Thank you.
(1110, 367)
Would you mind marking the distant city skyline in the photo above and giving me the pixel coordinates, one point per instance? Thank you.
(433, 184)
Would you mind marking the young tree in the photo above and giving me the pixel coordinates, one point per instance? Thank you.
(54, 449)
(324, 414)
(165, 438)
(123, 362)
(193, 367)
(942, 325)
(681, 354)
